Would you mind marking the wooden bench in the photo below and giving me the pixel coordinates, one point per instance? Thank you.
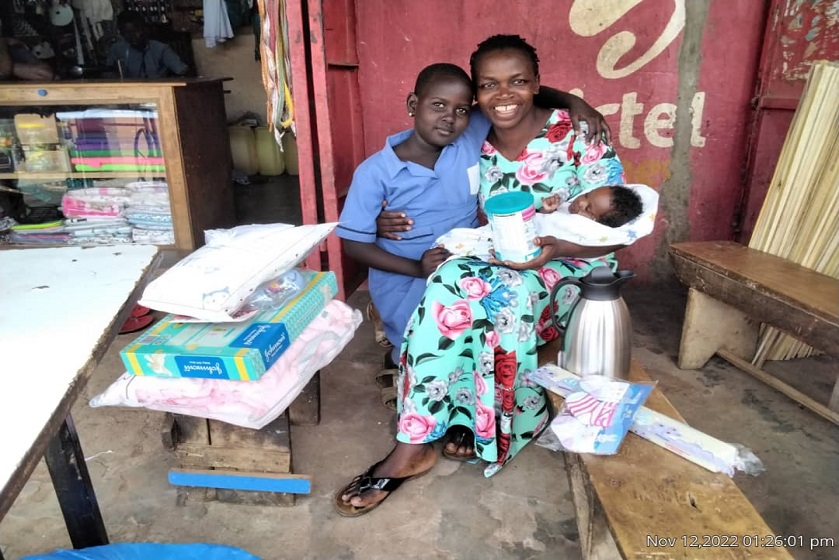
(646, 502)
(734, 288)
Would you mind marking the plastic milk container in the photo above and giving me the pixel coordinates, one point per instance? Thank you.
(510, 216)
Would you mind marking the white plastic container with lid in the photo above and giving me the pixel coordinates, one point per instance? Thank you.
(510, 216)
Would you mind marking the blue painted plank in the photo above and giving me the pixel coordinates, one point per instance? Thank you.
(292, 484)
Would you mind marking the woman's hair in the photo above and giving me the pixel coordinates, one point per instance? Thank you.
(441, 70)
(501, 42)
(626, 206)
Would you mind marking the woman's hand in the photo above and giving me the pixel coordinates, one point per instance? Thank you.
(549, 252)
(433, 258)
(389, 222)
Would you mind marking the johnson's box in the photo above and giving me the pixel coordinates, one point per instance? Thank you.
(242, 351)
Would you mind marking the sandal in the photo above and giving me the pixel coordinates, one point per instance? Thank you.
(460, 436)
(365, 482)
(386, 381)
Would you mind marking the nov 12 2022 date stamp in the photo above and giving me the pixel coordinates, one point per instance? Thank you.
(738, 541)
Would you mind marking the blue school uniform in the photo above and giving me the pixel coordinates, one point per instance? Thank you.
(437, 200)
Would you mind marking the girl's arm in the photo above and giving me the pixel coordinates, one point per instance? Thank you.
(372, 255)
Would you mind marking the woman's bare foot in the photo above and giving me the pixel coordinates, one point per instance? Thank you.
(459, 444)
(405, 461)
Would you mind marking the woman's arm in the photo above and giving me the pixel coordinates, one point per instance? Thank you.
(553, 248)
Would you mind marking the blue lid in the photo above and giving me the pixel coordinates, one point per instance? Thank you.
(508, 202)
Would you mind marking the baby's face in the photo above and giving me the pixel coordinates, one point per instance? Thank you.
(593, 204)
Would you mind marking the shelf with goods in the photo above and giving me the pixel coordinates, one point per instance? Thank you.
(95, 163)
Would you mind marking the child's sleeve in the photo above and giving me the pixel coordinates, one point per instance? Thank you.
(477, 129)
(362, 206)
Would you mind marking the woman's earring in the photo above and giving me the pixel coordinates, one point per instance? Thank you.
(410, 113)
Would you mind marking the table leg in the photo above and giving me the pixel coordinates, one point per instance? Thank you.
(71, 480)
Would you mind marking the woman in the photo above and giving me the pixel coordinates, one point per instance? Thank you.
(476, 330)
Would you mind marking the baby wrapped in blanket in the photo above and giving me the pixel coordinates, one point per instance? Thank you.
(601, 217)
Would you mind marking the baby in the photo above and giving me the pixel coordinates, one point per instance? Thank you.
(612, 206)
(593, 218)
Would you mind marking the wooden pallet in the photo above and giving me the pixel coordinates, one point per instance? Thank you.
(218, 460)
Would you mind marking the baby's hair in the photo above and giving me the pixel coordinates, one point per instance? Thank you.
(626, 206)
(441, 70)
(501, 42)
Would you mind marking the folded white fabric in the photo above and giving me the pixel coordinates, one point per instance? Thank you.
(562, 224)
(215, 281)
(251, 404)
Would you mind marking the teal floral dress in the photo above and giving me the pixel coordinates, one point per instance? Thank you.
(477, 329)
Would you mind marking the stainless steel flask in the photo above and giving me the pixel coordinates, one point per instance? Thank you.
(597, 339)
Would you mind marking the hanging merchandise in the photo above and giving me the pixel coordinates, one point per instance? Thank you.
(60, 14)
(217, 28)
(276, 66)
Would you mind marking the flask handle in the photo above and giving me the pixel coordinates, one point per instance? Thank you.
(554, 292)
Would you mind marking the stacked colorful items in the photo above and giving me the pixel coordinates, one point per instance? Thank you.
(246, 370)
(94, 216)
(42, 234)
(149, 213)
(114, 140)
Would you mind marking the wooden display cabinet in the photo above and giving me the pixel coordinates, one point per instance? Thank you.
(192, 129)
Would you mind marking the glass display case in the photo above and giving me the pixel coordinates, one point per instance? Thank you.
(92, 163)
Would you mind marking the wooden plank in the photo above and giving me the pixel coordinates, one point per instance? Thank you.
(776, 383)
(274, 437)
(251, 481)
(646, 491)
(815, 292)
(218, 457)
(305, 410)
(766, 293)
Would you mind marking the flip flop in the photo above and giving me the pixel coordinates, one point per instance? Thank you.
(459, 436)
(364, 482)
(140, 311)
(134, 324)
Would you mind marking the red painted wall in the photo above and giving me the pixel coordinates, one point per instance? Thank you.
(640, 61)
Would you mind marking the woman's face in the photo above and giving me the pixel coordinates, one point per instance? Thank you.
(506, 83)
(441, 112)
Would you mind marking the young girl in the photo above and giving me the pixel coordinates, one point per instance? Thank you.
(431, 171)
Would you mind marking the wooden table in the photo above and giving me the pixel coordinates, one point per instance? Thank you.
(60, 309)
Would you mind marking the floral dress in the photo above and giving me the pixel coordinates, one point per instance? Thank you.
(477, 329)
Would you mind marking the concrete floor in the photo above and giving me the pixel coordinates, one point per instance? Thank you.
(453, 513)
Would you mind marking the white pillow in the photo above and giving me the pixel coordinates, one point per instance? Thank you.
(215, 281)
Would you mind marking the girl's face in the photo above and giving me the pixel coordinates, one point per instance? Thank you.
(441, 112)
(506, 83)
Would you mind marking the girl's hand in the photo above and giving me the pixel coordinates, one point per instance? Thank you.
(549, 252)
(433, 258)
(598, 130)
(389, 222)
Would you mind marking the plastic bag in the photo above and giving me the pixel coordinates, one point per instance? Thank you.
(597, 413)
(214, 282)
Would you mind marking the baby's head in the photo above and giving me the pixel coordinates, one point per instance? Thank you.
(611, 206)
(440, 103)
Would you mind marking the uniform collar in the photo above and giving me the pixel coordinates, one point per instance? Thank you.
(393, 165)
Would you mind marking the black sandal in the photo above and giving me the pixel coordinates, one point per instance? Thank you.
(459, 436)
(364, 483)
